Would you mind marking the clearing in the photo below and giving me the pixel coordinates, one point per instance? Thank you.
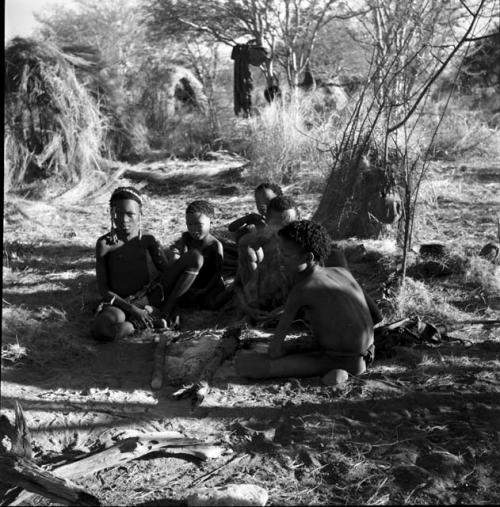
(422, 426)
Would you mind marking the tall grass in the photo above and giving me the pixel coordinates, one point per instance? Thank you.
(463, 131)
(289, 140)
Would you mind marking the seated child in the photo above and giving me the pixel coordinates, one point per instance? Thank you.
(197, 244)
(263, 195)
(332, 301)
(261, 281)
(123, 277)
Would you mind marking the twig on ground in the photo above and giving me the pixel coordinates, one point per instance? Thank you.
(203, 478)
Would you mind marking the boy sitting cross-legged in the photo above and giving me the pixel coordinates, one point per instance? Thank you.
(204, 254)
(332, 302)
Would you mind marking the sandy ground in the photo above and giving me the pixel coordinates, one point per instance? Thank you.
(419, 427)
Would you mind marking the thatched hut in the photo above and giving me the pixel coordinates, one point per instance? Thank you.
(54, 129)
(179, 91)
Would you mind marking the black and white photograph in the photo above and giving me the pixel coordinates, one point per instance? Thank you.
(251, 253)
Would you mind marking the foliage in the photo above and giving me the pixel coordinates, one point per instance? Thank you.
(138, 76)
(411, 45)
(288, 30)
(283, 143)
(481, 65)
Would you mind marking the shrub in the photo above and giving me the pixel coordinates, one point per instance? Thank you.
(284, 142)
(462, 132)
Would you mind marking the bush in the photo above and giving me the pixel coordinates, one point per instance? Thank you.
(462, 132)
(285, 142)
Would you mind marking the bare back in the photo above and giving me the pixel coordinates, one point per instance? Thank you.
(337, 309)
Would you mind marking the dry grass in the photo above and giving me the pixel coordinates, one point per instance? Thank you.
(54, 129)
(289, 141)
(43, 337)
(463, 132)
(419, 298)
(483, 275)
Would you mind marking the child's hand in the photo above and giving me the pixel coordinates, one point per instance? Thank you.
(276, 349)
(140, 317)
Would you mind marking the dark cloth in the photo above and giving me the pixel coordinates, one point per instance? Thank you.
(242, 80)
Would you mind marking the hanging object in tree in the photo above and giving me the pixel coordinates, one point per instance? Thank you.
(245, 55)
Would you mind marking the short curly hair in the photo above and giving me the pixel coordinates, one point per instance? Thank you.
(122, 193)
(203, 207)
(281, 203)
(271, 186)
(310, 236)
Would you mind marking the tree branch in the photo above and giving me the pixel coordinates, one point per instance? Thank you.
(439, 71)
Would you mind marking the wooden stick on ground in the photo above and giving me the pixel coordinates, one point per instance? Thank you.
(25, 473)
(131, 448)
(205, 477)
(159, 360)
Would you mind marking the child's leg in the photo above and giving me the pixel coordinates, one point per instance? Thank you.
(179, 278)
(217, 296)
(311, 364)
(111, 324)
(248, 261)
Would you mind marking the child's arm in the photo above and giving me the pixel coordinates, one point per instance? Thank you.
(178, 248)
(111, 297)
(157, 254)
(292, 306)
(250, 219)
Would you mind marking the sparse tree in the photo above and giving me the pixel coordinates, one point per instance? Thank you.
(287, 28)
(381, 149)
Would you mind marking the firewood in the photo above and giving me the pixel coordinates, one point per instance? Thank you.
(169, 442)
(123, 451)
(21, 439)
(23, 472)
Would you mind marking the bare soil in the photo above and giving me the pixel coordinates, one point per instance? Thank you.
(420, 427)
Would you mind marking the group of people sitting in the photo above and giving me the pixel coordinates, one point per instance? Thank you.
(281, 261)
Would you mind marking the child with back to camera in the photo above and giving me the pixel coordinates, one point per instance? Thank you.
(255, 221)
(333, 303)
(205, 253)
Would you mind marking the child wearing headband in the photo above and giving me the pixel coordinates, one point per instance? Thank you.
(123, 277)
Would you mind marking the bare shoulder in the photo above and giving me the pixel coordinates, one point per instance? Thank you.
(216, 242)
(332, 278)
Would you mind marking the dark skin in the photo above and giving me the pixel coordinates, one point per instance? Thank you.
(121, 271)
(253, 221)
(250, 251)
(334, 301)
(337, 310)
(198, 238)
